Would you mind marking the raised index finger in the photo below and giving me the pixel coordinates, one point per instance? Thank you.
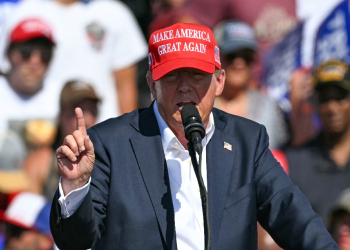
(80, 121)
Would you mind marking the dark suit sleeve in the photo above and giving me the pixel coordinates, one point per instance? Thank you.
(282, 209)
(86, 225)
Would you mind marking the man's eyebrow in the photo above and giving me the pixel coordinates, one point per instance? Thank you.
(176, 71)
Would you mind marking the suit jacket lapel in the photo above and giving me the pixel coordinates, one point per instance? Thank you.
(219, 166)
(148, 149)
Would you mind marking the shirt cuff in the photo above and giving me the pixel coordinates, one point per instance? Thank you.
(71, 202)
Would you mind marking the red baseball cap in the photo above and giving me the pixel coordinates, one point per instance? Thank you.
(182, 45)
(29, 211)
(29, 29)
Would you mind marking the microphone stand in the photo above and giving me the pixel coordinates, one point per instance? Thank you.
(203, 191)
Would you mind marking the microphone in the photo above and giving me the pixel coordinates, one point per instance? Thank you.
(194, 129)
(194, 133)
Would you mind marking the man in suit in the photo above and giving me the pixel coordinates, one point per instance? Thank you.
(128, 183)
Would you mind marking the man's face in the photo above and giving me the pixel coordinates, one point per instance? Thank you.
(186, 86)
(29, 64)
(238, 69)
(334, 109)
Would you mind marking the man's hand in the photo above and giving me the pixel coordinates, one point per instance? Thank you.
(76, 157)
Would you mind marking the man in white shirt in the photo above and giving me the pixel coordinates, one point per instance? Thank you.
(128, 183)
(24, 91)
(99, 42)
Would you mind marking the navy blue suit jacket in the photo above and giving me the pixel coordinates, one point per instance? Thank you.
(129, 204)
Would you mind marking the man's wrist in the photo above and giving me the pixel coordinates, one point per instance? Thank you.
(70, 185)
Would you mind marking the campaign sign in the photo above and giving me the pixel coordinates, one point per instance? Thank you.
(279, 63)
(332, 39)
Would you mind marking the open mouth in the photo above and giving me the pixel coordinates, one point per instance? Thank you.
(182, 104)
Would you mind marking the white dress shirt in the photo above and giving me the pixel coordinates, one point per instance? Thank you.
(183, 184)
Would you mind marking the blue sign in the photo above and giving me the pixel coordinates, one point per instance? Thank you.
(279, 63)
(332, 39)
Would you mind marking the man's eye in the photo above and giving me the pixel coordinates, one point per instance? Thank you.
(169, 77)
(198, 75)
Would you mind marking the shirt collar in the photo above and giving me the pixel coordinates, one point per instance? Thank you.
(168, 135)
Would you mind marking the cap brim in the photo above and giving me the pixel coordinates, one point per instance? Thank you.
(75, 100)
(171, 65)
(29, 37)
(340, 84)
(3, 217)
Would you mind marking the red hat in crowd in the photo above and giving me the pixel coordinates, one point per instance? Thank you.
(29, 29)
(182, 45)
(29, 211)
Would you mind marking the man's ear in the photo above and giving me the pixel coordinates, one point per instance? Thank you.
(220, 81)
(151, 84)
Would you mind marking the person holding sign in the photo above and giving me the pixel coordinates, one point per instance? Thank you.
(128, 183)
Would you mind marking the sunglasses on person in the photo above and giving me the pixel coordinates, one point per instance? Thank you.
(27, 50)
(246, 54)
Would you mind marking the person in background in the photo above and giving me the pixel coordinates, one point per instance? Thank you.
(321, 167)
(238, 48)
(339, 220)
(23, 90)
(25, 222)
(41, 165)
(99, 41)
(74, 94)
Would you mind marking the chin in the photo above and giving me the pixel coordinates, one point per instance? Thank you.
(336, 129)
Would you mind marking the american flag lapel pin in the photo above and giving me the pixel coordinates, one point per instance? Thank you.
(227, 146)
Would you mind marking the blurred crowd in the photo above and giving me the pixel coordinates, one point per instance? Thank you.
(56, 55)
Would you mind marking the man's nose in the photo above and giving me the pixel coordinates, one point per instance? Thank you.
(184, 85)
(333, 105)
(35, 57)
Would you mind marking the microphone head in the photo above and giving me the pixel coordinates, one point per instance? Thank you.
(190, 113)
(192, 121)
